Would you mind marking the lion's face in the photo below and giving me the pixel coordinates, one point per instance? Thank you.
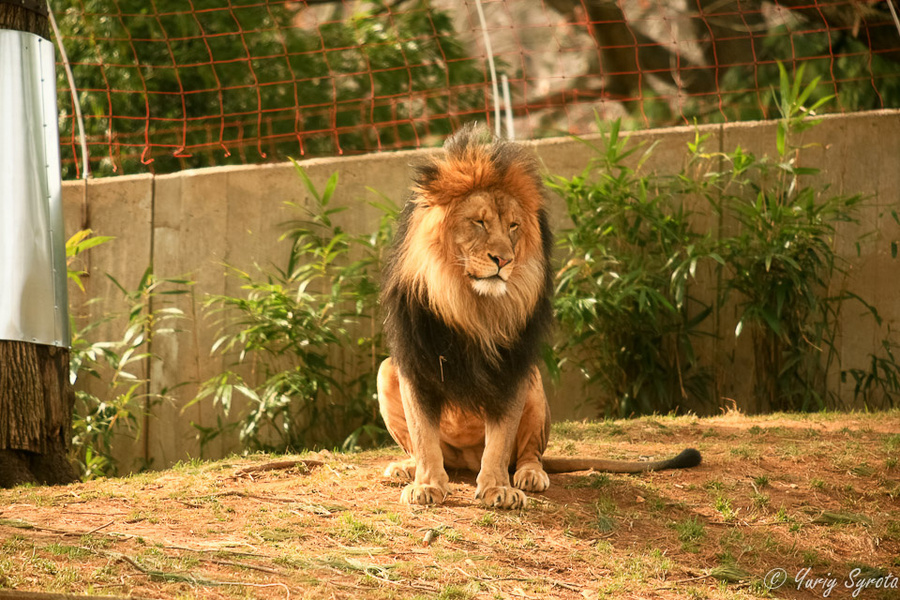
(473, 245)
(485, 230)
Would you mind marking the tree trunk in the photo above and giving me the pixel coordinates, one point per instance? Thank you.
(36, 397)
(25, 15)
(36, 401)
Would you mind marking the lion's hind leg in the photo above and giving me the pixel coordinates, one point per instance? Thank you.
(531, 439)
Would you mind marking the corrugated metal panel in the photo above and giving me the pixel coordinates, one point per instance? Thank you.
(33, 302)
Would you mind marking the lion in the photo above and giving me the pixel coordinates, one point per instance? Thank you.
(467, 298)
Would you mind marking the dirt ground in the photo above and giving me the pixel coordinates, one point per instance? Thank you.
(782, 506)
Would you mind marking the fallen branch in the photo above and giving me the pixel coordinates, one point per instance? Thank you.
(21, 595)
(228, 563)
(96, 529)
(308, 464)
(161, 575)
(243, 494)
(193, 579)
(678, 582)
(20, 524)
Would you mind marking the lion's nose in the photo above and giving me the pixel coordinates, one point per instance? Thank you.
(499, 261)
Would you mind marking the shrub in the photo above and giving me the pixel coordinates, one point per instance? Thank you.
(127, 397)
(624, 292)
(780, 262)
(288, 324)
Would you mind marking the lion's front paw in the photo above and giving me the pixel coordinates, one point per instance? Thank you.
(405, 470)
(501, 496)
(531, 478)
(418, 493)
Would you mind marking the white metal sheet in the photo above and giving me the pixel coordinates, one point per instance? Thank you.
(33, 300)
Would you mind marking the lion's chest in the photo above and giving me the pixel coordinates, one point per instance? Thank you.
(462, 429)
(462, 439)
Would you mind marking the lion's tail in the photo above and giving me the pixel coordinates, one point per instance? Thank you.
(688, 458)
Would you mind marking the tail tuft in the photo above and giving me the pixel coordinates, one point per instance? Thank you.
(687, 459)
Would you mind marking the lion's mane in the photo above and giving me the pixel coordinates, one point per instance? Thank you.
(458, 348)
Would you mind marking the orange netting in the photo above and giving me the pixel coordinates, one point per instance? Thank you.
(169, 84)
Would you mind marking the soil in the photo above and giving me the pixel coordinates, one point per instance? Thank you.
(784, 506)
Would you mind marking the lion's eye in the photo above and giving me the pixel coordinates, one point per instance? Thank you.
(480, 223)
(513, 226)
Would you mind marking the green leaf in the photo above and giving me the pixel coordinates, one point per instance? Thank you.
(801, 99)
(781, 138)
(771, 320)
(806, 171)
(330, 186)
(784, 89)
(819, 103)
(117, 284)
(311, 188)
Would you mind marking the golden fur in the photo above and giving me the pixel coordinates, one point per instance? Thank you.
(467, 294)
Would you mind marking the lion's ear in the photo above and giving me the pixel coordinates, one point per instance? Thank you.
(425, 183)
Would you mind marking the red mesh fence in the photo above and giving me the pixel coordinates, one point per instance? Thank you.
(171, 84)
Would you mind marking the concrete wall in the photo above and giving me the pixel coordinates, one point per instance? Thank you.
(191, 223)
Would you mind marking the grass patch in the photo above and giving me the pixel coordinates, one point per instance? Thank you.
(488, 519)
(724, 508)
(744, 451)
(73, 552)
(593, 481)
(452, 592)
(354, 530)
(863, 470)
(760, 500)
(714, 485)
(690, 533)
(611, 536)
(891, 443)
(603, 522)
(892, 529)
(812, 558)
